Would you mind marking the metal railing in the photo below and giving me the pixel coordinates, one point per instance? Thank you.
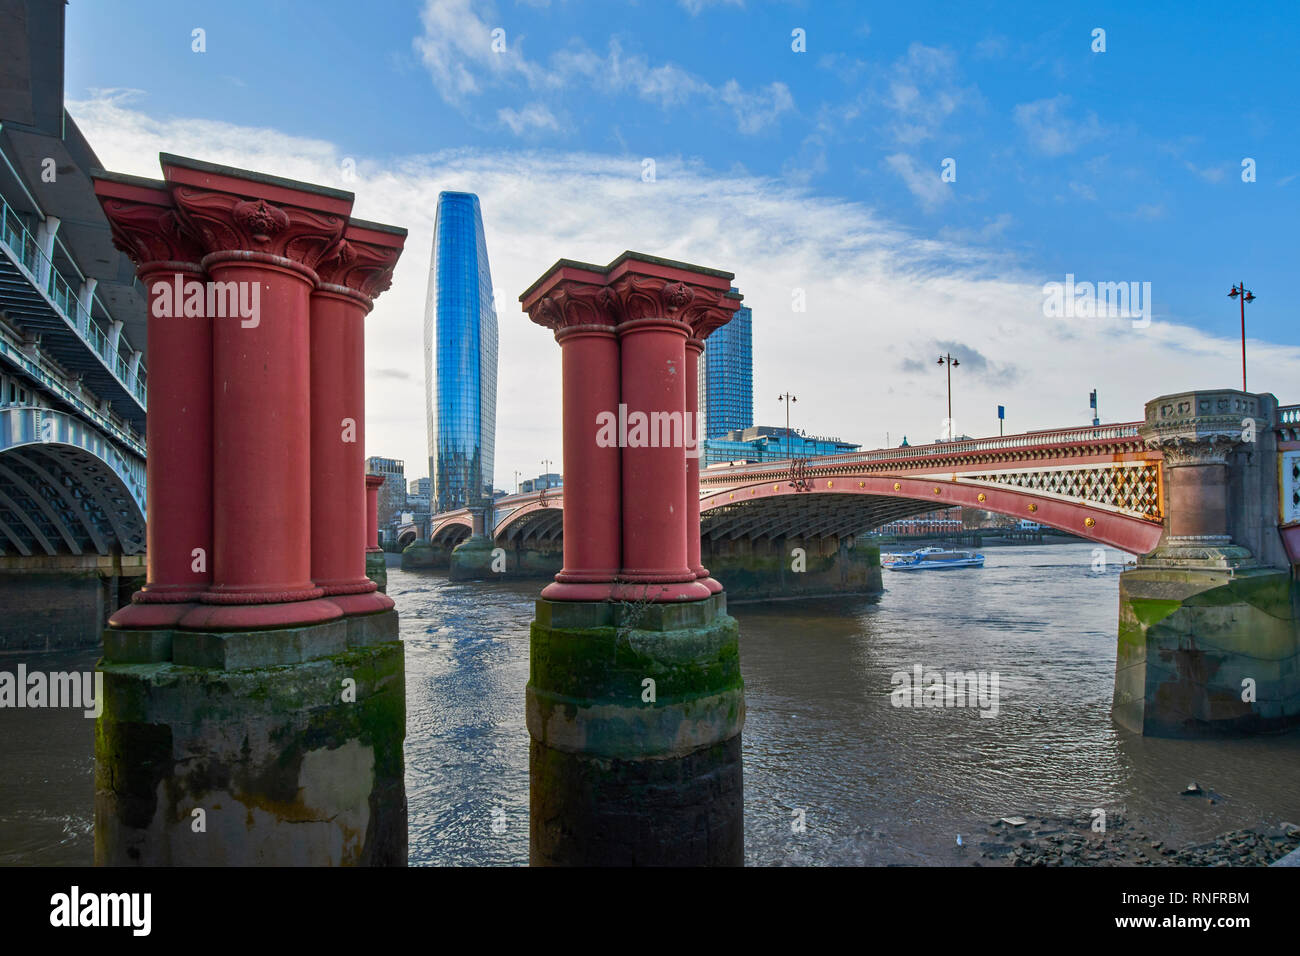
(52, 382)
(1288, 414)
(1060, 436)
(46, 276)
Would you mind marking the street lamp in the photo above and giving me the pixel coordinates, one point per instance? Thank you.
(1246, 296)
(951, 363)
(546, 472)
(516, 482)
(789, 400)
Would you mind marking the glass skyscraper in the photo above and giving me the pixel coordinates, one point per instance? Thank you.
(727, 376)
(460, 357)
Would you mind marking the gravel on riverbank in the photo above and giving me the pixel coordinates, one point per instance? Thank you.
(1071, 841)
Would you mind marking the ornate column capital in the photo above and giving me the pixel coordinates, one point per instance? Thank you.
(362, 261)
(572, 304)
(632, 288)
(1202, 427)
(240, 211)
(144, 222)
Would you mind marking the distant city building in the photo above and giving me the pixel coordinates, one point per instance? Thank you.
(460, 357)
(420, 486)
(392, 493)
(769, 443)
(939, 522)
(549, 480)
(727, 377)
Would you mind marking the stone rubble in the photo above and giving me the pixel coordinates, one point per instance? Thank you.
(1071, 841)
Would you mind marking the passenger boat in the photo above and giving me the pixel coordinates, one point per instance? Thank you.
(932, 559)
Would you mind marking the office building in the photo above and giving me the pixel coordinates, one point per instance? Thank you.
(460, 357)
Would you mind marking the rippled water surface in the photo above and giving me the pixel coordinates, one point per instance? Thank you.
(876, 783)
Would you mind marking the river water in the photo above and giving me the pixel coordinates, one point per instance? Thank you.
(872, 783)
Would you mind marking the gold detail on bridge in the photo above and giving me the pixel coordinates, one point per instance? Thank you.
(776, 487)
(936, 489)
(731, 497)
(830, 484)
(1089, 522)
(897, 486)
(862, 484)
(1033, 507)
(983, 497)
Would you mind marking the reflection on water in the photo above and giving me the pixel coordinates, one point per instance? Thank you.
(876, 783)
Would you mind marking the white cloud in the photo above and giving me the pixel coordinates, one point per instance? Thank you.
(457, 49)
(1051, 130)
(880, 299)
(534, 116)
(927, 185)
(693, 7)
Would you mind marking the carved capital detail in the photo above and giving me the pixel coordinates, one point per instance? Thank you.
(1200, 449)
(225, 222)
(571, 304)
(146, 232)
(363, 267)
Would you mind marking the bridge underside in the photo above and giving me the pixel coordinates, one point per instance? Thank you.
(60, 499)
(539, 528)
(805, 516)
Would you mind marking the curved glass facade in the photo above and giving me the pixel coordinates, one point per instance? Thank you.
(460, 357)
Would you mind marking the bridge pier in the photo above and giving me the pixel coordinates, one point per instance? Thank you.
(376, 563)
(635, 701)
(472, 559)
(261, 721)
(823, 566)
(1209, 622)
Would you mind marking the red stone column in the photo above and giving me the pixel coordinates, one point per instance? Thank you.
(373, 483)
(711, 309)
(571, 301)
(695, 349)
(265, 235)
(350, 274)
(655, 516)
(179, 424)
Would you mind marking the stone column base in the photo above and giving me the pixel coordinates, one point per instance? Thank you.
(635, 713)
(268, 748)
(377, 569)
(421, 555)
(1198, 551)
(1205, 651)
(472, 559)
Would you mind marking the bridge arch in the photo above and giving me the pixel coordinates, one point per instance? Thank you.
(65, 488)
(451, 529)
(538, 521)
(849, 503)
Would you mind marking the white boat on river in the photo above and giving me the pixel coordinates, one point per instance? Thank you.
(932, 559)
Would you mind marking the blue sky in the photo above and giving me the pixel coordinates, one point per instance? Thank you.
(1123, 165)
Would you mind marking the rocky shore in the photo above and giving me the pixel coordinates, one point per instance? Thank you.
(1024, 840)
